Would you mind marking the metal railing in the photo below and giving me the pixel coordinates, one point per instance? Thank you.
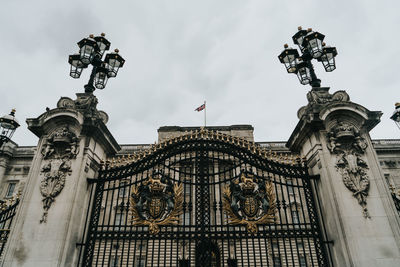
(7, 213)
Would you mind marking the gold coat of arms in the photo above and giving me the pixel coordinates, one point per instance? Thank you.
(156, 202)
(250, 201)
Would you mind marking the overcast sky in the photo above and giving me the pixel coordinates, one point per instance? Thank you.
(180, 53)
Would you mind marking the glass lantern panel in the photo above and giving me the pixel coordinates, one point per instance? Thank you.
(86, 53)
(315, 47)
(101, 80)
(114, 63)
(7, 125)
(289, 58)
(304, 75)
(291, 67)
(313, 43)
(101, 46)
(75, 72)
(300, 41)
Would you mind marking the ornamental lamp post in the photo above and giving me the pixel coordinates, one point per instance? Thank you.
(311, 46)
(8, 124)
(396, 115)
(91, 51)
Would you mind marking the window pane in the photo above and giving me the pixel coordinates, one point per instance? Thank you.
(277, 261)
(122, 190)
(295, 216)
(114, 262)
(289, 185)
(10, 189)
(302, 261)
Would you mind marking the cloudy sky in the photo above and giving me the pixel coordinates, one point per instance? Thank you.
(180, 53)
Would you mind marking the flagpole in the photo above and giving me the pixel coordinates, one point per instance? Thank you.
(205, 116)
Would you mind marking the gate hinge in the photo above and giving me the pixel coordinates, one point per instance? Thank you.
(315, 177)
(329, 242)
(80, 244)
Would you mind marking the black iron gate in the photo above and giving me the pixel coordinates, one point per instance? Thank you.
(203, 199)
(7, 213)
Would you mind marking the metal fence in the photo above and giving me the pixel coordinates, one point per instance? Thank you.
(7, 213)
(203, 200)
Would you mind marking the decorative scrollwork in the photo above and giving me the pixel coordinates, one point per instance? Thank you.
(204, 134)
(249, 202)
(58, 151)
(345, 141)
(156, 202)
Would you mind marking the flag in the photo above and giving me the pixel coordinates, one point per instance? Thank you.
(201, 107)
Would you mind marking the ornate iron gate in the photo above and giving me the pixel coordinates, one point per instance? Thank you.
(203, 199)
(7, 213)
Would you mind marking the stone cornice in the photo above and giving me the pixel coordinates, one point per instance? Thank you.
(322, 104)
(82, 115)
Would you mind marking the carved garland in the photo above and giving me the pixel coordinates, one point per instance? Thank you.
(345, 141)
(58, 150)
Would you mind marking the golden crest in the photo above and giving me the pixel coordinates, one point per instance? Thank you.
(250, 206)
(156, 207)
(162, 206)
(247, 203)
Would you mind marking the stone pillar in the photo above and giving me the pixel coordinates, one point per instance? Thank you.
(6, 152)
(73, 139)
(333, 135)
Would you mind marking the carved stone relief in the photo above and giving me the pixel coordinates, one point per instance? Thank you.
(390, 163)
(86, 104)
(345, 141)
(58, 150)
(319, 97)
(322, 96)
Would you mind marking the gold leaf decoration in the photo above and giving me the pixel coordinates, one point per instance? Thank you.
(154, 224)
(251, 225)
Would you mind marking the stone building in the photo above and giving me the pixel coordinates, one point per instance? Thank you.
(329, 196)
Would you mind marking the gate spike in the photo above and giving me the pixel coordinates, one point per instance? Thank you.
(265, 153)
(243, 143)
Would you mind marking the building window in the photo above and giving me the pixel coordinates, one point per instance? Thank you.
(187, 218)
(10, 189)
(114, 262)
(302, 261)
(141, 247)
(122, 190)
(290, 186)
(277, 261)
(300, 246)
(118, 220)
(275, 247)
(187, 189)
(140, 262)
(295, 216)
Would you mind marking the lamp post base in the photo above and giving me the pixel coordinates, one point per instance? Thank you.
(89, 88)
(315, 83)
